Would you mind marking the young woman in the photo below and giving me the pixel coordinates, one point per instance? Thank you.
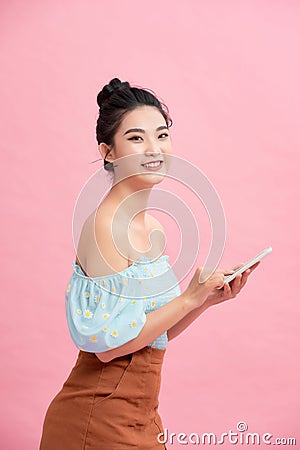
(123, 304)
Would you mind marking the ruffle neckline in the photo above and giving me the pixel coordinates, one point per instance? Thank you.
(140, 260)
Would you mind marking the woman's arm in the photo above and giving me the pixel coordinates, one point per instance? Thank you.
(180, 326)
(167, 316)
(157, 322)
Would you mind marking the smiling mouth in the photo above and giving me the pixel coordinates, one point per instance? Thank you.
(153, 164)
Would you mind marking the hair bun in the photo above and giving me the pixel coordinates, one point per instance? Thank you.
(113, 86)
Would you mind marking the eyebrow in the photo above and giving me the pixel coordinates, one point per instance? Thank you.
(141, 130)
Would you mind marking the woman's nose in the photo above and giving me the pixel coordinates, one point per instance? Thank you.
(153, 151)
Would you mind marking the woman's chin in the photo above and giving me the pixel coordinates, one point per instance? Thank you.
(151, 178)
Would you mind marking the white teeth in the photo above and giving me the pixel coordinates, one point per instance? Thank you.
(155, 164)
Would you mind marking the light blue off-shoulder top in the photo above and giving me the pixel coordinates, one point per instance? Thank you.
(106, 312)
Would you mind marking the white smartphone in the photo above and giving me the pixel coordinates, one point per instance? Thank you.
(248, 264)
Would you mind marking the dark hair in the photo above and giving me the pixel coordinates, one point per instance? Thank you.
(114, 101)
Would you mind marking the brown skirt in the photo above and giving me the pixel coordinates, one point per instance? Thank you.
(107, 406)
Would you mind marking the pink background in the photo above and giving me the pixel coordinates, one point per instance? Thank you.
(229, 73)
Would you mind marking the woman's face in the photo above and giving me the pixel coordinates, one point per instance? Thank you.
(142, 146)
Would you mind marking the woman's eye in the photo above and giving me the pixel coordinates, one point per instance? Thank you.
(130, 139)
(134, 137)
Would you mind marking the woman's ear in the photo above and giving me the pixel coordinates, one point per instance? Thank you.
(106, 152)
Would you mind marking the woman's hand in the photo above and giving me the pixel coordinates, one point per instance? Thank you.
(231, 289)
(207, 294)
(197, 291)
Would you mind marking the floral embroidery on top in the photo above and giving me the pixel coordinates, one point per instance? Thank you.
(106, 312)
(88, 314)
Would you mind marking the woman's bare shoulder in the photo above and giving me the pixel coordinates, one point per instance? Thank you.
(99, 251)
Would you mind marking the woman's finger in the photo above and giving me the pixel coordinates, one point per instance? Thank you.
(225, 293)
(227, 290)
(254, 266)
(235, 288)
(231, 289)
(251, 268)
(228, 271)
(245, 277)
